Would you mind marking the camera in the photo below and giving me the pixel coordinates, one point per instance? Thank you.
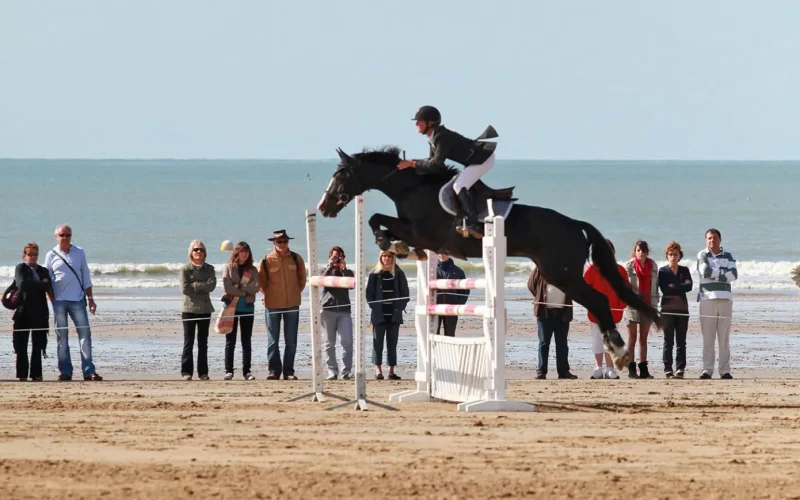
(337, 260)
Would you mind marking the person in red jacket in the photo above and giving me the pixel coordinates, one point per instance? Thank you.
(594, 279)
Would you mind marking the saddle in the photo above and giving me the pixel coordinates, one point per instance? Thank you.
(501, 199)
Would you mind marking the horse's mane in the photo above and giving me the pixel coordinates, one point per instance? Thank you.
(390, 155)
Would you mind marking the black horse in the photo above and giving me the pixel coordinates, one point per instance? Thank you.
(559, 245)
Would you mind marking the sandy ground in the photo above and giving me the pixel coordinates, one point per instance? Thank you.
(589, 439)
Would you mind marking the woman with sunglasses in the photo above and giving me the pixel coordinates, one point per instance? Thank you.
(197, 280)
(387, 296)
(240, 279)
(31, 317)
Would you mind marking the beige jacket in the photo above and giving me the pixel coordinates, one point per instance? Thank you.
(281, 280)
(630, 313)
(236, 287)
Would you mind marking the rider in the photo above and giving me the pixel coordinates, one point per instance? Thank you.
(476, 156)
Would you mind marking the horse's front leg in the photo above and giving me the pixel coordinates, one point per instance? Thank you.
(396, 229)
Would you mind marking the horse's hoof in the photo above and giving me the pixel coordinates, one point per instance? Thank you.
(400, 247)
(615, 340)
(383, 243)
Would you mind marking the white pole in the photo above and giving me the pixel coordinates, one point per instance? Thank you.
(361, 302)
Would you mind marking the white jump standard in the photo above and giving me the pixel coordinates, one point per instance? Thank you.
(316, 282)
(470, 371)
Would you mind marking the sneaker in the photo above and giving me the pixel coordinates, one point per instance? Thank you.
(541, 376)
(679, 374)
(379, 376)
(394, 376)
(273, 376)
(290, 377)
(669, 374)
(346, 376)
(727, 376)
(249, 376)
(187, 377)
(94, 378)
(228, 376)
(37, 379)
(64, 378)
(598, 373)
(567, 376)
(332, 376)
(705, 376)
(611, 374)
(204, 377)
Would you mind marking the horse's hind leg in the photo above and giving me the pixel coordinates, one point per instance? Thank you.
(597, 304)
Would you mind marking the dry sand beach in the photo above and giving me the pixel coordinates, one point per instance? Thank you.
(143, 434)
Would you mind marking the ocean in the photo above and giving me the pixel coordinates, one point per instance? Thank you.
(135, 218)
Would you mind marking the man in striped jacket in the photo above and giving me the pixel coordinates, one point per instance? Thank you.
(717, 269)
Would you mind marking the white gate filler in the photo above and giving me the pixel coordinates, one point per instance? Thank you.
(470, 371)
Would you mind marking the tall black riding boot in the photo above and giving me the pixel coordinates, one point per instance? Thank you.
(473, 228)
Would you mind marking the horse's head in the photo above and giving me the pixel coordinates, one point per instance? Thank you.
(356, 174)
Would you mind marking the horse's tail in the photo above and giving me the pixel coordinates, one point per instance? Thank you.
(603, 257)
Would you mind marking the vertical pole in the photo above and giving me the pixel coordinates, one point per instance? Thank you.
(314, 309)
(361, 303)
(498, 278)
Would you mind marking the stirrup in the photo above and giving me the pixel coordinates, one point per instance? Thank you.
(465, 231)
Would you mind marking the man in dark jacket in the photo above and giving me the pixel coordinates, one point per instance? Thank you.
(447, 269)
(553, 311)
(476, 155)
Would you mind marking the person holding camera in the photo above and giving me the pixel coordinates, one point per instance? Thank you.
(336, 317)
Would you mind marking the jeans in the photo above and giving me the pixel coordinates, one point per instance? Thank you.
(76, 309)
(341, 323)
(553, 325)
(449, 323)
(675, 328)
(392, 333)
(246, 322)
(201, 323)
(291, 319)
(38, 344)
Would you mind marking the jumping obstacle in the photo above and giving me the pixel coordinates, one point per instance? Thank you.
(469, 371)
(317, 281)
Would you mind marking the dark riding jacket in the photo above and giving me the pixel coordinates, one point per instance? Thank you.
(449, 145)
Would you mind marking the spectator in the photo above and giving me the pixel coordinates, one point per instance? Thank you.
(336, 317)
(240, 279)
(643, 276)
(795, 275)
(553, 311)
(674, 281)
(282, 278)
(447, 269)
(387, 296)
(197, 280)
(31, 317)
(595, 279)
(72, 287)
(717, 269)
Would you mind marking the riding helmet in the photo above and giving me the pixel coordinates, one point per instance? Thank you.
(428, 114)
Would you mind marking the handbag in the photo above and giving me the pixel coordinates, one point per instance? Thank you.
(224, 324)
(11, 297)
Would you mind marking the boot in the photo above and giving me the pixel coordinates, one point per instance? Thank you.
(643, 371)
(632, 370)
(471, 226)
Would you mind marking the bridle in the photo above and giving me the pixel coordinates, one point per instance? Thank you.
(344, 198)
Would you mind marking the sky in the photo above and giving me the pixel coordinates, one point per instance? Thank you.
(559, 79)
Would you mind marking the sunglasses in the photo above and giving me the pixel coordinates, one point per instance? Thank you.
(282, 242)
(33, 254)
(387, 256)
(202, 250)
(65, 235)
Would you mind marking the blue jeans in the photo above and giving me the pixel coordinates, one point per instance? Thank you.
(291, 319)
(553, 325)
(80, 318)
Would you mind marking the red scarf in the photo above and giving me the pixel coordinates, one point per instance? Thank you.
(644, 277)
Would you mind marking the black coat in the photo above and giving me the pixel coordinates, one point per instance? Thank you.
(448, 270)
(33, 294)
(449, 145)
(375, 295)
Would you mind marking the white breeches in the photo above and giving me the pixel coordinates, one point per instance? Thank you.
(471, 174)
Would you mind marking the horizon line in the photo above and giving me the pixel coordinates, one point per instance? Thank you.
(652, 160)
